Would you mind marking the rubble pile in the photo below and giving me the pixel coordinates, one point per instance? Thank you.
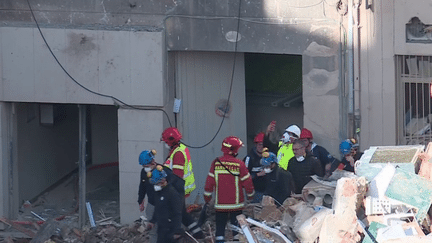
(387, 199)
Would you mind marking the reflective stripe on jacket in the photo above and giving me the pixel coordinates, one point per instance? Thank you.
(284, 154)
(188, 175)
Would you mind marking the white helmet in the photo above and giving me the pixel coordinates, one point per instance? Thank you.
(294, 129)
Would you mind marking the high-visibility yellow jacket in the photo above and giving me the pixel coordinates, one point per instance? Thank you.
(186, 168)
(284, 154)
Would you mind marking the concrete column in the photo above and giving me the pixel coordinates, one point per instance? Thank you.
(138, 130)
(321, 95)
(8, 164)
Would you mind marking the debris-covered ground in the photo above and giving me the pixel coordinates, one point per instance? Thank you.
(386, 200)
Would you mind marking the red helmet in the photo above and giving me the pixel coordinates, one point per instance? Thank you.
(231, 145)
(259, 138)
(171, 136)
(305, 133)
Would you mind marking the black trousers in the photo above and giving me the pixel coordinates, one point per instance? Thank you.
(166, 235)
(221, 220)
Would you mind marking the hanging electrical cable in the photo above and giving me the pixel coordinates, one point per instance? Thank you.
(232, 81)
(82, 86)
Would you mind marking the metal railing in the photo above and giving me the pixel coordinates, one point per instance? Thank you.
(413, 85)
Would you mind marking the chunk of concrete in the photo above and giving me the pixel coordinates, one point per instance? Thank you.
(342, 226)
(269, 211)
(349, 195)
(317, 194)
(339, 229)
(426, 163)
(309, 230)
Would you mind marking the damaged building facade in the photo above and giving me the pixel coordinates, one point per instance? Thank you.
(243, 63)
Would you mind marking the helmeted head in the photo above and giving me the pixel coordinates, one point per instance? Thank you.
(345, 147)
(171, 136)
(268, 158)
(146, 157)
(306, 134)
(258, 140)
(307, 137)
(231, 145)
(354, 143)
(291, 133)
(157, 175)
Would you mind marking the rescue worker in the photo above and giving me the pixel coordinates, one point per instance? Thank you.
(279, 182)
(228, 176)
(168, 208)
(350, 154)
(317, 151)
(179, 161)
(146, 159)
(284, 148)
(303, 165)
(252, 162)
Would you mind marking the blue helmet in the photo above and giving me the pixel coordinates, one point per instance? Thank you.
(146, 157)
(157, 175)
(345, 147)
(268, 158)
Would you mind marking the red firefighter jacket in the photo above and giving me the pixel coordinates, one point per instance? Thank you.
(227, 178)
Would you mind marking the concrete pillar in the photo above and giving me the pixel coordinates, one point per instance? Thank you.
(8, 164)
(138, 130)
(321, 91)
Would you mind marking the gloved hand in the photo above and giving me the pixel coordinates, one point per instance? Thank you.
(141, 206)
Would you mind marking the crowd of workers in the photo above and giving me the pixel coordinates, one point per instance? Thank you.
(274, 169)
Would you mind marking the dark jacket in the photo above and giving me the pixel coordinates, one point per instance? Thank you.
(323, 155)
(280, 184)
(146, 187)
(347, 164)
(253, 163)
(168, 210)
(301, 171)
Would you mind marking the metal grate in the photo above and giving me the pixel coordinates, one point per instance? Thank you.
(413, 79)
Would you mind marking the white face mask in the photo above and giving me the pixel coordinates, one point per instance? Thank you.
(286, 137)
(157, 188)
(147, 169)
(267, 170)
(300, 158)
(167, 146)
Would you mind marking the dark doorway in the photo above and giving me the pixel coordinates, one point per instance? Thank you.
(273, 92)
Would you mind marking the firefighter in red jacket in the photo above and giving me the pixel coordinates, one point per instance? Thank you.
(227, 177)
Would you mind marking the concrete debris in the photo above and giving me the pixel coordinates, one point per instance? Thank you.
(388, 199)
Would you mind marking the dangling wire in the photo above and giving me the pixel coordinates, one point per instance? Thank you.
(82, 86)
(232, 81)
